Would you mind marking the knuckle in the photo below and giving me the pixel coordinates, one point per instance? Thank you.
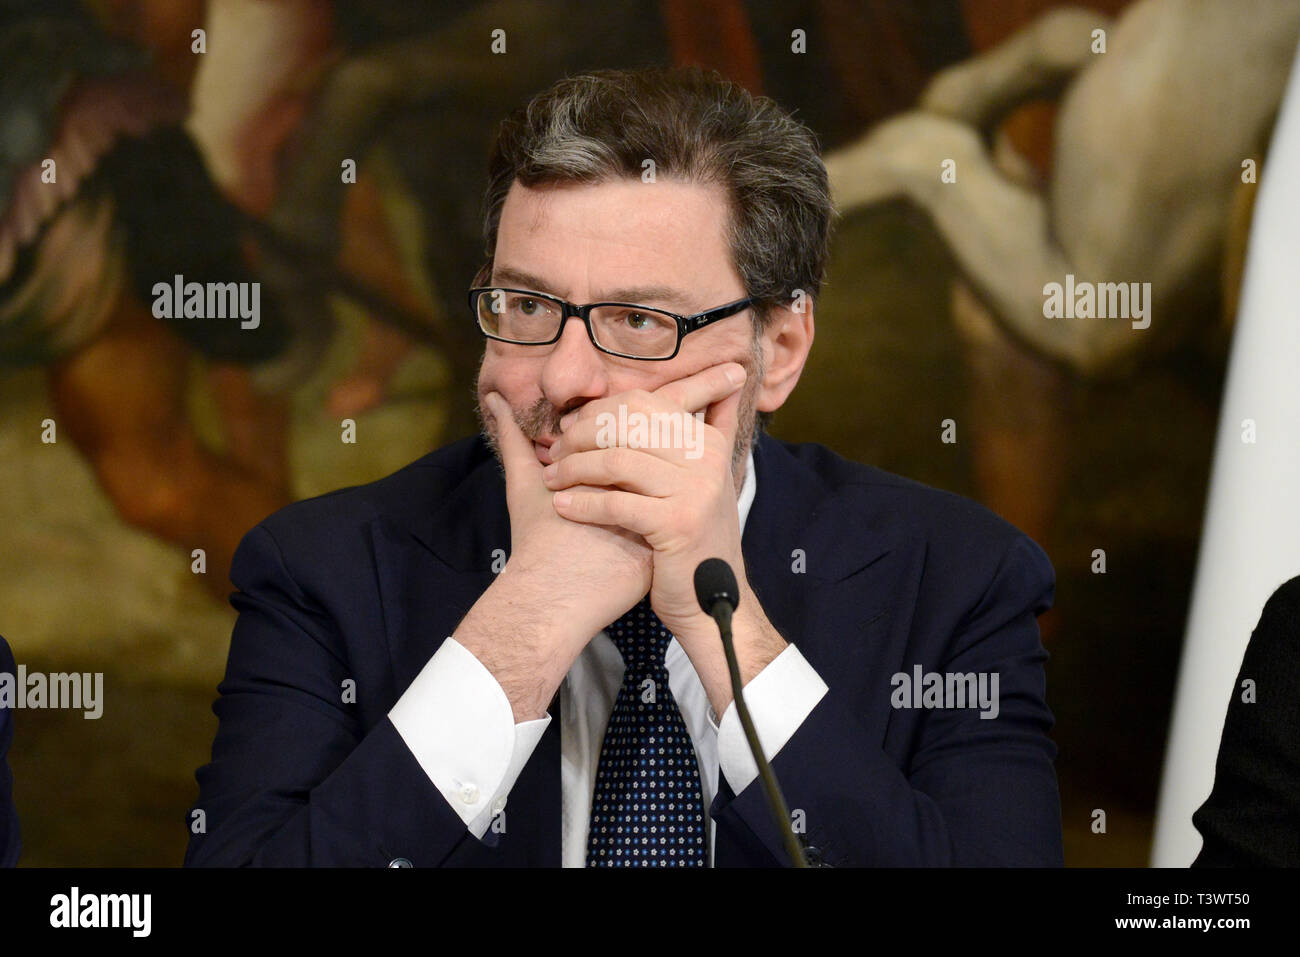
(576, 467)
(619, 459)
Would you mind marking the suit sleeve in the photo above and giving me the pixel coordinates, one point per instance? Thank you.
(975, 791)
(294, 780)
(1252, 816)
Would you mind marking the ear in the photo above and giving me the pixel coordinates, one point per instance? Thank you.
(785, 342)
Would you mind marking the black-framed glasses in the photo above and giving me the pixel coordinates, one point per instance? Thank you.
(623, 329)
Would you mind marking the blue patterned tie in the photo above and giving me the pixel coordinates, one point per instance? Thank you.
(647, 809)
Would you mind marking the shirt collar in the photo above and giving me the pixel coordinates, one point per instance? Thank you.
(748, 489)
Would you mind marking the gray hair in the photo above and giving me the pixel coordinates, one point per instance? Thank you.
(696, 126)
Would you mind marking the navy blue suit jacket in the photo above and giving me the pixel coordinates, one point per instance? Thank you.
(366, 583)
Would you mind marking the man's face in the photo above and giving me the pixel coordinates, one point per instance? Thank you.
(656, 244)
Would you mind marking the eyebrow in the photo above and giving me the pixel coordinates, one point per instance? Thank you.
(647, 295)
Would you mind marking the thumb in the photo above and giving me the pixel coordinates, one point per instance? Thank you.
(516, 450)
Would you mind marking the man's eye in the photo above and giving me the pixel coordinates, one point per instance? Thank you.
(639, 320)
(528, 307)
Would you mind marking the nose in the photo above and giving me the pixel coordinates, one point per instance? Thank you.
(574, 371)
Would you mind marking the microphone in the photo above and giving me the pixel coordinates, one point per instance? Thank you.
(719, 595)
(716, 582)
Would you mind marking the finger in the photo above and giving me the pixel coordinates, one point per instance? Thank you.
(606, 413)
(611, 507)
(670, 434)
(517, 453)
(693, 393)
(627, 469)
(632, 400)
(697, 392)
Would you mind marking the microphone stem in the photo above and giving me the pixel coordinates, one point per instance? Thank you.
(781, 814)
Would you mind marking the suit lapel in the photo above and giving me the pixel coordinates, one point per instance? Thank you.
(804, 551)
(432, 568)
(827, 573)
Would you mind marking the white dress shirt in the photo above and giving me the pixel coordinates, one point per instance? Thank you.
(459, 725)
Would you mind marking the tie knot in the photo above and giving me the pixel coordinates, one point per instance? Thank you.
(641, 639)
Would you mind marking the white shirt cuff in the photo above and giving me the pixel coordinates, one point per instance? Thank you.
(780, 698)
(460, 727)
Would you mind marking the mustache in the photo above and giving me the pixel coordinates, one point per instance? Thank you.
(539, 419)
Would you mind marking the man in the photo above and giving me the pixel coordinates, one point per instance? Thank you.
(399, 692)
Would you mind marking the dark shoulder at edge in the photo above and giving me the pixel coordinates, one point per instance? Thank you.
(405, 494)
(926, 510)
